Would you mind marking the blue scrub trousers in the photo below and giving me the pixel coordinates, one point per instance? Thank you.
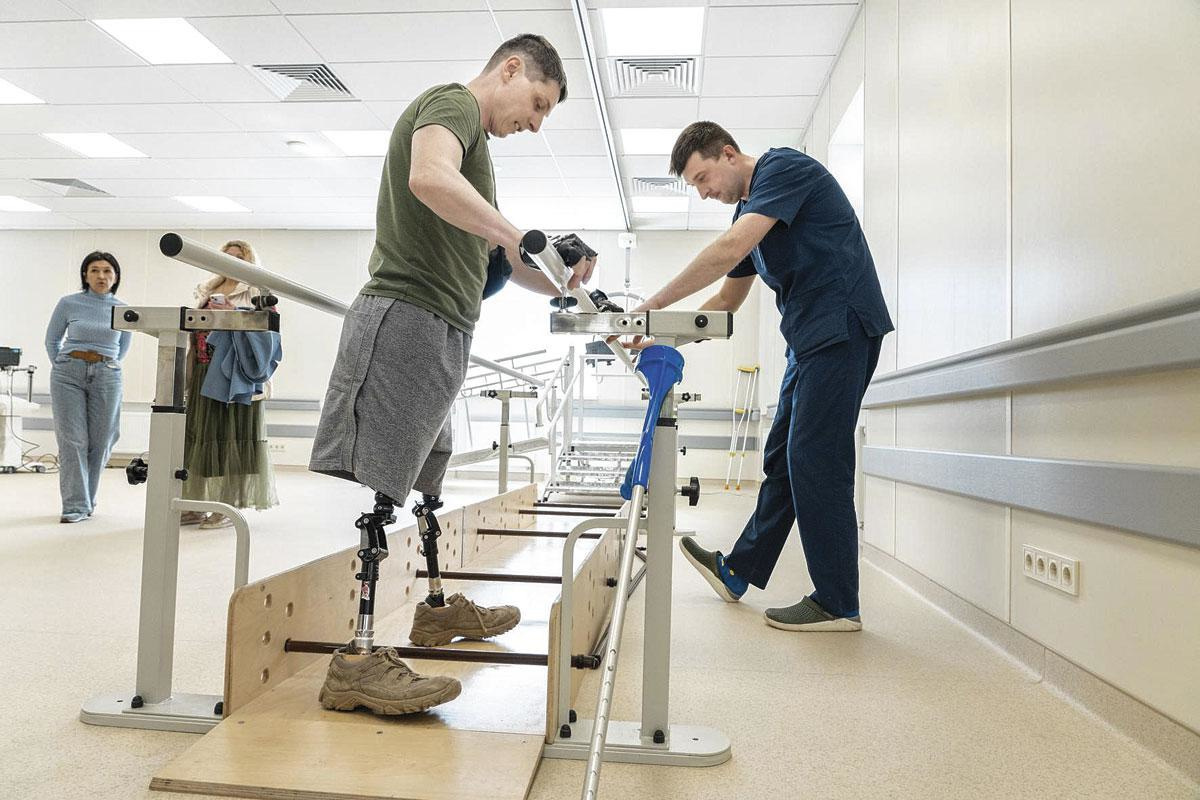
(809, 466)
(86, 400)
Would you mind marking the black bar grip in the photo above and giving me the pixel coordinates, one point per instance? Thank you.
(170, 244)
(534, 242)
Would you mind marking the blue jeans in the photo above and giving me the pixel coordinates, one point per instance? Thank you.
(809, 464)
(86, 401)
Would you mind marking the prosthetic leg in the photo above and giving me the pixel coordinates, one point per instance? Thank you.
(429, 531)
(438, 620)
(373, 550)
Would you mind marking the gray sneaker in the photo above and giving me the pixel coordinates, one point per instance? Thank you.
(382, 683)
(460, 617)
(74, 516)
(807, 615)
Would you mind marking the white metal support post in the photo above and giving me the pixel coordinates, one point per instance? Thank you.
(153, 704)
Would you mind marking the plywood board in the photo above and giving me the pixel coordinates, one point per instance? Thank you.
(317, 760)
(502, 511)
(318, 601)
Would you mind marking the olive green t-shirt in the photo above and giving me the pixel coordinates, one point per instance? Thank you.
(419, 257)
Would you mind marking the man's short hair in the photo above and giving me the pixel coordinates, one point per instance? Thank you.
(705, 138)
(541, 59)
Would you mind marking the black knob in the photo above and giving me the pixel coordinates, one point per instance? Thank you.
(181, 474)
(130, 316)
(610, 582)
(701, 320)
(571, 715)
(683, 450)
(659, 737)
(137, 472)
(691, 491)
(136, 702)
(564, 732)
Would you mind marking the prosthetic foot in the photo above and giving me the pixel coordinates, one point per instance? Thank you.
(439, 620)
(360, 676)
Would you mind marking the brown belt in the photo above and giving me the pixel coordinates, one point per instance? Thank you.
(90, 356)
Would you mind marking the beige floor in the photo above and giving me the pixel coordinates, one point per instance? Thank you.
(913, 707)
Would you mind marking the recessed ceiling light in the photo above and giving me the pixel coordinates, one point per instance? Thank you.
(653, 31)
(164, 41)
(10, 94)
(95, 145)
(10, 202)
(648, 141)
(660, 205)
(360, 143)
(212, 203)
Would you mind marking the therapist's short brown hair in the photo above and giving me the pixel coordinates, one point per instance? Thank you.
(705, 138)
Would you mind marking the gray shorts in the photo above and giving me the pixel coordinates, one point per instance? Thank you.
(385, 422)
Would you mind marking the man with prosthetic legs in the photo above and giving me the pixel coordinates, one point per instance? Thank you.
(440, 248)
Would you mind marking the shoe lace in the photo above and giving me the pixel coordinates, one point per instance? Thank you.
(463, 601)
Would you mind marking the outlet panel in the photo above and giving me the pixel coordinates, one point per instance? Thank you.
(1052, 569)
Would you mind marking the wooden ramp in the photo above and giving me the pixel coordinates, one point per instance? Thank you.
(277, 742)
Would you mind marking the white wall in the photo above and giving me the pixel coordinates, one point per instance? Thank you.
(41, 266)
(1028, 165)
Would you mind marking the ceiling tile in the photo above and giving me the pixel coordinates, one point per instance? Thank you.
(32, 146)
(88, 169)
(296, 117)
(402, 81)
(557, 26)
(754, 112)
(219, 83)
(133, 9)
(800, 30)
(659, 222)
(653, 112)
(61, 44)
(257, 40)
(400, 37)
(765, 77)
(645, 166)
(152, 118)
(28, 10)
(101, 85)
(208, 168)
(584, 166)
(378, 6)
(577, 143)
(205, 145)
(529, 167)
(530, 187)
(575, 114)
(592, 187)
(518, 144)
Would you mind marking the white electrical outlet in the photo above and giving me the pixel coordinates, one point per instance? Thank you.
(1054, 570)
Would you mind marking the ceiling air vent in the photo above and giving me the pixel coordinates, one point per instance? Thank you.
(295, 83)
(659, 187)
(654, 77)
(70, 187)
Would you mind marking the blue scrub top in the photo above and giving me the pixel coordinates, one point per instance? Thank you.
(815, 258)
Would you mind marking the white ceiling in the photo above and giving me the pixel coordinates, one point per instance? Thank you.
(216, 129)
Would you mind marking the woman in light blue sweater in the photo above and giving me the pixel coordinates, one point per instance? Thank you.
(85, 382)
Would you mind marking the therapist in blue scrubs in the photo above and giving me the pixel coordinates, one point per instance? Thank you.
(794, 228)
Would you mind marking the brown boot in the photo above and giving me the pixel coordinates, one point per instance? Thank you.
(460, 617)
(382, 683)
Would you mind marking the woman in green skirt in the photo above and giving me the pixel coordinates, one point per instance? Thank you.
(225, 451)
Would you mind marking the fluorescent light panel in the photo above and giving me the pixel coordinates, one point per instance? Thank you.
(11, 95)
(360, 143)
(648, 141)
(659, 205)
(10, 202)
(164, 41)
(95, 145)
(653, 31)
(213, 204)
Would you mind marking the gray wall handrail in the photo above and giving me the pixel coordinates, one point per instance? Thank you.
(1153, 336)
(1156, 501)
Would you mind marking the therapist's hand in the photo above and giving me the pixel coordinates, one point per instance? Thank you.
(638, 342)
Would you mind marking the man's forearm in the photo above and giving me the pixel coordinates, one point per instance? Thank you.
(532, 279)
(452, 197)
(712, 263)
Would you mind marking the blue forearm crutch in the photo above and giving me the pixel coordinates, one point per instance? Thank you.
(662, 367)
